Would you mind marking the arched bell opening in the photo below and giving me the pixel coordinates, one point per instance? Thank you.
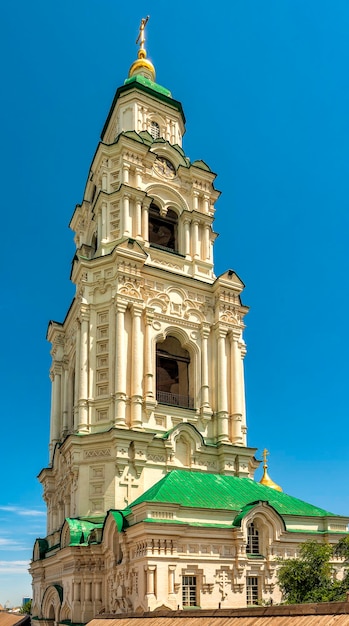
(163, 229)
(173, 374)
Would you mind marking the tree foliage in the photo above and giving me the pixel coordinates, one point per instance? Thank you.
(26, 608)
(312, 576)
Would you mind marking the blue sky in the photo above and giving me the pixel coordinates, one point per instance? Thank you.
(265, 89)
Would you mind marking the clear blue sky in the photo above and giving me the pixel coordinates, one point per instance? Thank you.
(265, 89)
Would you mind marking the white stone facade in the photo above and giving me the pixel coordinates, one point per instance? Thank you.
(147, 376)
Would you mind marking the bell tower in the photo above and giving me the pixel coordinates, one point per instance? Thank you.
(147, 367)
(149, 491)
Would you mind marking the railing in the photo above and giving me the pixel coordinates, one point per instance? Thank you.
(175, 399)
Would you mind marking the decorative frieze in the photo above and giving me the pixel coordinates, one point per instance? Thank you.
(97, 453)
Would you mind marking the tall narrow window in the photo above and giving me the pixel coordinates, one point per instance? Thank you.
(251, 590)
(252, 546)
(189, 591)
(162, 229)
(154, 130)
(172, 374)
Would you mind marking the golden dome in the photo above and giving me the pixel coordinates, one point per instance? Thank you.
(266, 480)
(142, 65)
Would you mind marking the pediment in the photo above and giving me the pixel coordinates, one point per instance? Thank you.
(233, 279)
(260, 509)
(130, 247)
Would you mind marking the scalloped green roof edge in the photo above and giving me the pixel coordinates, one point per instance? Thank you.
(217, 491)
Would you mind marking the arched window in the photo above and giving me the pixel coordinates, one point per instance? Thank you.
(172, 374)
(163, 229)
(252, 546)
(154, 130)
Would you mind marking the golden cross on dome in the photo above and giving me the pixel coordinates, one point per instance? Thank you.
(265, 454)
(141, 36)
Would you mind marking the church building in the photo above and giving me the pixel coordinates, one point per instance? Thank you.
(150, 491)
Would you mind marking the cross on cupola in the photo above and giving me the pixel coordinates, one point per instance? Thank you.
(142, 65)
(266, 480)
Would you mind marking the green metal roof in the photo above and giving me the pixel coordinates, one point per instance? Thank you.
(138, 78)
(80, 530)
(120, 520)
(230, 493)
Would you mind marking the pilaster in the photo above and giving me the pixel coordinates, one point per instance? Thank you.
(137, 367)
(205, 409)
(222, 396)
(83, 372)
(120, 364)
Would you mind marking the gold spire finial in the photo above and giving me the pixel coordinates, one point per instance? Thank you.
(142, 65)
(266, 480)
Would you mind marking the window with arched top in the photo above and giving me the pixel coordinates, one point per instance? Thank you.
(172, 374)
(154, 130)
(163, 229)
(252, 546)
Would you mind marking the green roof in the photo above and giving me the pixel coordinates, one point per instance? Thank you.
(229, 493)
(138, 78)
(80, 530)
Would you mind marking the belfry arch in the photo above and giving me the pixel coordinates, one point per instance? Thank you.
(175, 369)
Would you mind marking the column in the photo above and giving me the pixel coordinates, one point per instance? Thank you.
(222, 398)
(207, 242)
(236, 387)
(150, 574)
(144, 120)
(55, 407)
(120, 365)
(98, 590)
(206, 203)
(243, 397)
(70, 401)
(112, 353)
(125, 173)
(138, 217)
(148, 357)
(83, 371)
(66, 501)
(173, 133)
(76, 591)
(171, 578)
(65, 399)
(137, 125)
(187, 237)
(205, 332)
(145, 221)
(88, 591)
(195, 201)
(138, 177)
(126, 215)
(104, 221)
(99, 227)
(137, 367)
(195, 238)
(104, 181)
(77, 370)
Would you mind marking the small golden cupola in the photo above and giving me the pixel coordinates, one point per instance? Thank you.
(266, 480)
(142, 65)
